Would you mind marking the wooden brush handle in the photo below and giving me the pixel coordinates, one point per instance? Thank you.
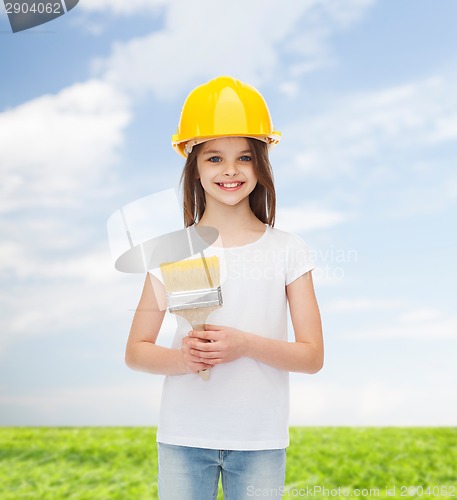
(197, 318)
(204, 374)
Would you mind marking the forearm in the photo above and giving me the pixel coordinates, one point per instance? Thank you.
(151, 358)
(301, 357)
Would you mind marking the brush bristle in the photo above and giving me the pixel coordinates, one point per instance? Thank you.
(193, 274)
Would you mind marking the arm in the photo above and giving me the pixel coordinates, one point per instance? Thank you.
(305, 355)
(141, 352)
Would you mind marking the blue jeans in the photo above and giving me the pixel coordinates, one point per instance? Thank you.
(187, 473)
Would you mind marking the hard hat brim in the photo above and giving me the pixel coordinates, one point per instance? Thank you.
(184, 147)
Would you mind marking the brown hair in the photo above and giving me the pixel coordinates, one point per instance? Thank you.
(262, 200)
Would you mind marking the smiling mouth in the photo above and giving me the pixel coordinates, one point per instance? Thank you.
(230, 185)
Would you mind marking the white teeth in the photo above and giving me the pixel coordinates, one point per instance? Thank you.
(231, 185)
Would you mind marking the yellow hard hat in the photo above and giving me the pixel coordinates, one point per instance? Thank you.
(223, 107)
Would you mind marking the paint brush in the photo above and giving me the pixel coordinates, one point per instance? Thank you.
(193, 290)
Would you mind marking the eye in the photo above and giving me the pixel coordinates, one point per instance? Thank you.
(245, 158)
(215, 159)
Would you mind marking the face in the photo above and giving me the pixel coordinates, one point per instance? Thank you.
(226, 170)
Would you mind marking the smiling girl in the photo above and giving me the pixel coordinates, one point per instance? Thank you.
(235, 425)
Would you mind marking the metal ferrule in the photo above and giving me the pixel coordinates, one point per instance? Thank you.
(207, 297)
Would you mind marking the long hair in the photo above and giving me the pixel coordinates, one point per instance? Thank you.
(262, 199)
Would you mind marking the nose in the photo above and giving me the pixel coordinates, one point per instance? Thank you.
(230, 169)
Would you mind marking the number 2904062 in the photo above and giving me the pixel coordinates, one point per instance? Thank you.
(34, 8)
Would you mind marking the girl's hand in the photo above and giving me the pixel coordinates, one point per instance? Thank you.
(192, 363)
(217, 344)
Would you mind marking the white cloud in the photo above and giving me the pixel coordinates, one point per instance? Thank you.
(52, 309)
(64, 279)
(418, 315)
(364, 304)
(56, 150)
(397, 144)
(134, 403)
(374, 402)
(289, 88)
(313, 402)
(354, 132)
(430, 330)
(404, 322)
(245, 39)
(349, 12)
(122, 7)
(307, 217)
(56, 146)
(74, 292)
(12, 258)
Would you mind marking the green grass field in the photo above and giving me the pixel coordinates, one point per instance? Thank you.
(121, 463)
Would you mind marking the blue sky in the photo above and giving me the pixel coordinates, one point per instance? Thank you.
(364, 93)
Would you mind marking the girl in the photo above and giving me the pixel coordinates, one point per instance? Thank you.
(236, 423)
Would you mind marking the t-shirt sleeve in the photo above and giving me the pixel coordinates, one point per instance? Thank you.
(157, 273)
(158, 287)
(299, 258)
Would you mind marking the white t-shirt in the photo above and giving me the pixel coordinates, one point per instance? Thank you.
(245, 403)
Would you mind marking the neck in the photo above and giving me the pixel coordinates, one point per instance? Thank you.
(229, 218)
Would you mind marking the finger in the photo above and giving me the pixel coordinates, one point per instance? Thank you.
(200, 334)
(197, 341)
(204, 346)
(197, 357)
(201, 348)
(215, 328)
(201, 366)
(205, 355)
(216, 361)
(196, 366)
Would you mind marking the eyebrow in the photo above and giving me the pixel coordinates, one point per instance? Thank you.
(214, 151)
